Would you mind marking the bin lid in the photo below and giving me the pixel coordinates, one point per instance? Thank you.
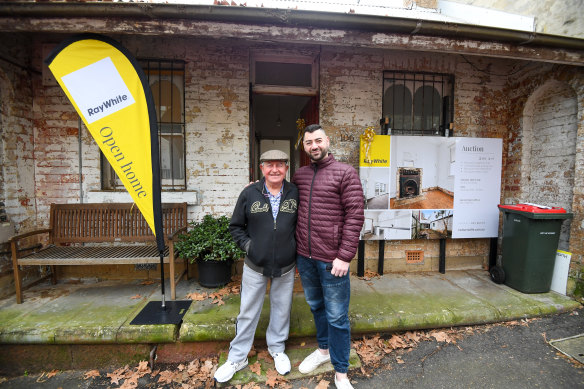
(535, 211)
(533, 208)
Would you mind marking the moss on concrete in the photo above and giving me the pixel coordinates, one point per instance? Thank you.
(296, 356)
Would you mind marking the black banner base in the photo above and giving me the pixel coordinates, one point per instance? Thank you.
(153, 313)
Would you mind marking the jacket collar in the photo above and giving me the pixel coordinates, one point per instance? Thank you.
(323, 162)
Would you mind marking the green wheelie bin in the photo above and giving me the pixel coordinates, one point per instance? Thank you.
(530, 240)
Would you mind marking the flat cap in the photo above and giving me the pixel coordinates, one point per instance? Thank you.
(274, 155)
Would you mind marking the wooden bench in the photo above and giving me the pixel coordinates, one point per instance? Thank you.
(77, 233)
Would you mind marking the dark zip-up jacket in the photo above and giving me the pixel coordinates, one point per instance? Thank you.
(330, 213)
(270, 245)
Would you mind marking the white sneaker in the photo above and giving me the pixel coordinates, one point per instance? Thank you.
(228, 369)
(282, 362)
(313, 361)
(343, 384)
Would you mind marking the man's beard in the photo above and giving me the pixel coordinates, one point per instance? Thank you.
(322, 155)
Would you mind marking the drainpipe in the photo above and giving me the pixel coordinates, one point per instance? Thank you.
(80, 150)
(287, 17)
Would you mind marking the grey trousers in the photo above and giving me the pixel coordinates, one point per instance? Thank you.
(253, 290)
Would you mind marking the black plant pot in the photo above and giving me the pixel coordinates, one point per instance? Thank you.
(213, 274)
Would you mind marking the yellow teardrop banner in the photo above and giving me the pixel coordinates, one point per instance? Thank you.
(109, 91)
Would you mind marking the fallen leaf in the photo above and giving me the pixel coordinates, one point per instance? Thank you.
(136, 297)
(114, 377)
(399, 360)
(197, 296)
(441, 336)
(412, 336)
(52, 373)
(264, 355)
(91, 374)
(143, 366)
(397, 342)
(147, 282)
(131, 382)
(272, 378)
(256, 368)
(323, 384)
(180, 367)
(166, 377)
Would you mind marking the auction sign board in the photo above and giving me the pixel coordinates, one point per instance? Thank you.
(430, 187)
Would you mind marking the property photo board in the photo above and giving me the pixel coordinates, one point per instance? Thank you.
(430, 187)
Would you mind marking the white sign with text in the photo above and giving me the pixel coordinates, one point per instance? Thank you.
(477, 187)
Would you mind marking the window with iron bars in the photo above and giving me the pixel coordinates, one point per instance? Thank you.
(166, 79)
(418, 103)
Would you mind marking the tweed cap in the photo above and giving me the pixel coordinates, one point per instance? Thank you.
(274, 155)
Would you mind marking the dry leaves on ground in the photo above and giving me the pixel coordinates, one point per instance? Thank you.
(265, 355)
(368, 275)
(197, 296)
(522, 322)
(249, 385)
(198, 371)
(234, 287)
(323, 384)
(91, 374)
(166, 377)
(52, 373)
(273, 379)
(256, 368)
(372, 349)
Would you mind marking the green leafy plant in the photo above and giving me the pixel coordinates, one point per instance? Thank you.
(208, 240)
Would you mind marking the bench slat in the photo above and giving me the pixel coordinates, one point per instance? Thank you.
(58, 255)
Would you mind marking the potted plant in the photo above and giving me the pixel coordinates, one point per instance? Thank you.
(210, 245)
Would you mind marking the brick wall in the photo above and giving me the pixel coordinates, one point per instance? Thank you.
(16, 147)
(351, 97)
(554, 89)
(549, 145)
(17, 138)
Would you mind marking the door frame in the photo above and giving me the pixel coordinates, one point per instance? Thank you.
(287, 56)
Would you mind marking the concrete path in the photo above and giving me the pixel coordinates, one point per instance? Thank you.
(100, 313)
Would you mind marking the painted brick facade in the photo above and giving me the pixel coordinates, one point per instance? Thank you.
(42, 138)
(17, 180)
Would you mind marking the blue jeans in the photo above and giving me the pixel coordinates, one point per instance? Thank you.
(328, 297)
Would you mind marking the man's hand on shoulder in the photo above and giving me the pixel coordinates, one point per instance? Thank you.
(251, 183)
(340, 267)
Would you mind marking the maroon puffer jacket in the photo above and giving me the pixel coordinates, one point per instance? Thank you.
(330, 213)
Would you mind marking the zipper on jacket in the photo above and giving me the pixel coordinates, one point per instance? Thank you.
(310, 212)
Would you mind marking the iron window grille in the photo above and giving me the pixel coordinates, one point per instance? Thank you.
(418, 103)
(167, 82)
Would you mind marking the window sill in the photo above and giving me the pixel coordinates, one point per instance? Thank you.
(191, 197)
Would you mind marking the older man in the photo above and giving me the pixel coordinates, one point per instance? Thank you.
(263, 224)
